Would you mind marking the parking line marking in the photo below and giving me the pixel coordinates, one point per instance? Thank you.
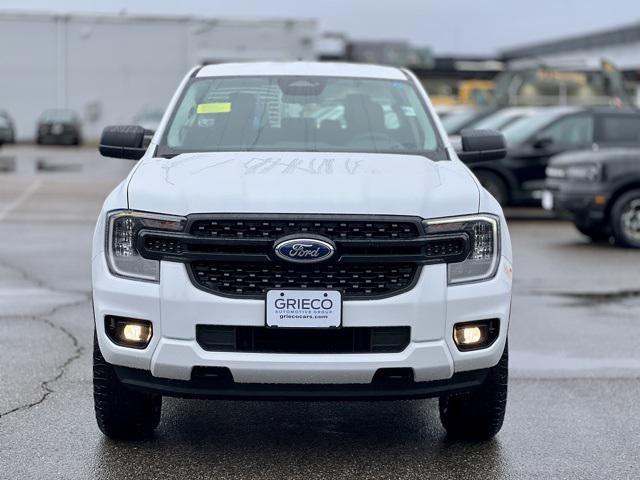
(23, 197)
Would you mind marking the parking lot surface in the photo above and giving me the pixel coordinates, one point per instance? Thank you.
(573, 403)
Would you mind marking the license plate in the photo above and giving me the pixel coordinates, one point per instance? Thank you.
(304, 308)
(547, 200)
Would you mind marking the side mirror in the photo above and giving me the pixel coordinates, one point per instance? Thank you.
(482, 145)
(542, 142)
(123, 141)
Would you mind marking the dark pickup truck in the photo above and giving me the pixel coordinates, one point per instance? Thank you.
(599, 190)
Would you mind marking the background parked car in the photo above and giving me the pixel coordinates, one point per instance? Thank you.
(459, 118)
(498, 120)
(501, 119)
(444, 110)
(149, 119)
(59, 126)
(600, 191)
(7, 128)
(520, 177)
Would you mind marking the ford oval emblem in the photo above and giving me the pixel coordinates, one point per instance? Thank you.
(304, 249)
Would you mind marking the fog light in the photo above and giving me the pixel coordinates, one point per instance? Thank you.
(136, 333)
(468, 335)
(475, 335)
(128, 332)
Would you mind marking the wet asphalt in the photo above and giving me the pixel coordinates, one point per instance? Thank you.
(573, 409)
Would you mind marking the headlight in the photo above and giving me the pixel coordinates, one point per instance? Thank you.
(589, 172)
(484, 236)
(555, 172)
(123, 257)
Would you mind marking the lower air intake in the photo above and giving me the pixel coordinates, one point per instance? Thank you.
(219, 338)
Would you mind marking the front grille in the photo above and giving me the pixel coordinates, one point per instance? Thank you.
(353, 280)
(333, 229)
(161, 244)
(218, 338)
(375, 256)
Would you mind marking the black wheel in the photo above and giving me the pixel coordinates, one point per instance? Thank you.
(495, 185)
(121, 413)
(478, 415)
(625, 219)
(596, 234)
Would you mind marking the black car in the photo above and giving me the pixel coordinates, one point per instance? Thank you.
(599, 190)
(7, 129)
(60, 127)
(519, 178)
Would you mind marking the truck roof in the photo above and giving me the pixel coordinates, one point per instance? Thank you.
(325, 69)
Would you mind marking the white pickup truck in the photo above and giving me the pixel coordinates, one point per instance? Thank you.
(300, 231)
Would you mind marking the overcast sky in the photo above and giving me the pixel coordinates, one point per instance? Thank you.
(448, 26)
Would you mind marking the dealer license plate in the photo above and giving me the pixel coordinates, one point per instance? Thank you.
(304, 308)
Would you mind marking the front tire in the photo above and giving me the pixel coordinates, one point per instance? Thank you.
(121, 413)
(625, 219)
(494, 185)
(478, 415)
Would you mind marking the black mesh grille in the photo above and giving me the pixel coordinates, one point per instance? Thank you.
(333, 229)
(353, 280)
(434, 248)
(160, 244)
(375, 256)
(218, 338)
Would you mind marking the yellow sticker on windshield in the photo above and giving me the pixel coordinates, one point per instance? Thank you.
(214, 107)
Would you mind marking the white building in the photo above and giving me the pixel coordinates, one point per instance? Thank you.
(108, 68)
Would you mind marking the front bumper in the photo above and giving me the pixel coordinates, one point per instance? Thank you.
(584, 203)
(175, 307)
(63, 138)
(144, 381)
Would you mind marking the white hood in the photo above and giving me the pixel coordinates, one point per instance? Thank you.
(310, 182)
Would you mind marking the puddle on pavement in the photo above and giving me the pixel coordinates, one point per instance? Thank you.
(34, 165)
(590, 298)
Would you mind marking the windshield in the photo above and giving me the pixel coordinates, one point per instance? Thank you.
(523, 129)
(498, 121)
(58, 116)
(287, 113)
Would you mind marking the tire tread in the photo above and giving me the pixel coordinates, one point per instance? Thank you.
(120, 412)
(616, 213)
(478, 414)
